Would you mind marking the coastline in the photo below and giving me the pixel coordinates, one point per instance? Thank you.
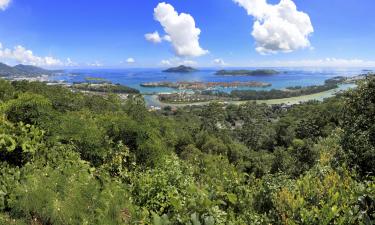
(153, 101)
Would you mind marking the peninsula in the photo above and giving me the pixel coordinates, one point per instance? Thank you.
(180, 69)
(246, 72)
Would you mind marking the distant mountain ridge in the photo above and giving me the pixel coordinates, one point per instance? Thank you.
(24, 70)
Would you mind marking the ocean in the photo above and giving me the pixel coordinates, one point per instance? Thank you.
(134, 77)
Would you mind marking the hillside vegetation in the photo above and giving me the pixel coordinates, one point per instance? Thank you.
(23, 70)
(71, 158)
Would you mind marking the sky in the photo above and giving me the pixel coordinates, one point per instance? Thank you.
(201, 33)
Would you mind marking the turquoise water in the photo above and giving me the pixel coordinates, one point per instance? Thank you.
(134, 77)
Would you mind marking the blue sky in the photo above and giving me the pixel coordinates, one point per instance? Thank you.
(110, 33)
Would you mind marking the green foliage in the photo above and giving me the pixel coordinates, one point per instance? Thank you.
(27, 108)
(325, 196)
(256, 131)
(359, 127)
(68, 194)
(6, 90)
(143, 138)
(19, 142)
(304, 156)
(7, 220)
(111, 88)
(62, 99)
(81, 130)
(74, 158)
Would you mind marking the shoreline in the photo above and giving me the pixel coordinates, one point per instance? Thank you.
(153, 101)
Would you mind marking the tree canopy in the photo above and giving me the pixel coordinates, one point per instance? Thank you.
(73, 158)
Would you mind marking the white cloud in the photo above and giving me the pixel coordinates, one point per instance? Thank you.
(165, 62)
(70, 62)
(180, 29)
(278, 28)
(95, 64)
(156, 38)
(20, 54)
(130, 60)
(219, 62)
(327, 62)
(167, 38)
(177, 61)
(153, 37)
(4, 4)
(189, 63)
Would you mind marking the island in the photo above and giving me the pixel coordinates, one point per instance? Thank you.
(180, 69)
(247, 72)
(196, 85)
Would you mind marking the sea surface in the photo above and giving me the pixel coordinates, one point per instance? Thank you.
(134, 77)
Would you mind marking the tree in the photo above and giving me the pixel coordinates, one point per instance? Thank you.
(213, 117)
(359, 128)
(19, 142)
(304, 156)
(6, 90)
(27, 108)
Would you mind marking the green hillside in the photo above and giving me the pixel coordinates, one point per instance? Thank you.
(74, 158)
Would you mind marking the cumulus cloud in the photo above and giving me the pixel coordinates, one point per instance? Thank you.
(153, 37)
(167, 38)
(219, 62)
(180, 31)
(4, 4)
(130, 60)
(20, 54)
(95, 64)
(70, 62)
(189, 63)
(278, 28)
(165, 62)
(177, 61)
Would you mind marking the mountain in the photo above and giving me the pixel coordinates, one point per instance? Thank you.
(32, 69)
(24, 70)
(180, 69)
(6, 70)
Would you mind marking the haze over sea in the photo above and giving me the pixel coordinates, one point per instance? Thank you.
(134, 77)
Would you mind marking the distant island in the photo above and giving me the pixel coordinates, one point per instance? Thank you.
(246, 72)
(180, 69)
(24, 70)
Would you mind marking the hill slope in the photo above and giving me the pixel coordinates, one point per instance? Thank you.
(23, 70)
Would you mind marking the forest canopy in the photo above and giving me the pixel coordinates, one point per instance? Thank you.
(74, 158)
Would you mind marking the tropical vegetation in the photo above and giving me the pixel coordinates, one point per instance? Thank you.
(74, 158)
